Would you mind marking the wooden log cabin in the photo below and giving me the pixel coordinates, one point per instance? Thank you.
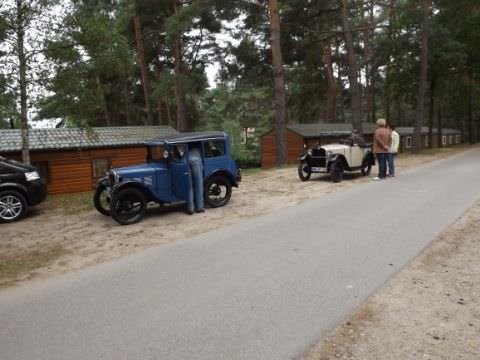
(72, 160)
(299, 135)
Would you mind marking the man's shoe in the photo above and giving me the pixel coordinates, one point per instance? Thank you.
(376, 178)
(190, 211)
(200, 210)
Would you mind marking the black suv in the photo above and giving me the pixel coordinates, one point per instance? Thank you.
(20, 187)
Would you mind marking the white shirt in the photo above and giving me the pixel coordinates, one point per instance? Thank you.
(395, 142)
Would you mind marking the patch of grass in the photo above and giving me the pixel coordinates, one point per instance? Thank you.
(71, 203)
(25, 262)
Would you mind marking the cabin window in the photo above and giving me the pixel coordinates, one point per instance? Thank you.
(42, 168)
(408, 142)
(444, 140)
(457, 139)
(100, 167)
(214, 148)
(450, 139)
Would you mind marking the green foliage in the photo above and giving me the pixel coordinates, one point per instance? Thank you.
(234, 111)
(94, 67)
(8, 109)
(91, 59)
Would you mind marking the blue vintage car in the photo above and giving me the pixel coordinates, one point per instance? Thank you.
(165, 178)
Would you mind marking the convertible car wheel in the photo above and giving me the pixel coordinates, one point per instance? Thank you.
(336, 171)
(304, 171)
(128, 206)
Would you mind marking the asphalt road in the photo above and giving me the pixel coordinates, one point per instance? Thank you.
(266, 288)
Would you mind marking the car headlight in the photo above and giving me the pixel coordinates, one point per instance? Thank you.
(329, 152)
(310, 152)
(113, 177)
(33, 175)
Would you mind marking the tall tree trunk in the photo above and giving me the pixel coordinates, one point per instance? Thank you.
(373, 99)
(330, 112)
(417, 134)
(366, 61)
(400, 110)
(353, 72)
(169, 114)
(126, 101)
(179, 88)
(182, 124)
(387, 88)
(22, 77)
(471, 135)
(431, 112)
(103, 101)
(370, 37)
(331, 86)
(143, 69)
(161, 118)
(160, 111)
(439, 126)
(279, 84)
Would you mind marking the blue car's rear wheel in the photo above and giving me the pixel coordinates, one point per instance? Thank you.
(218, 191)
(128, 206)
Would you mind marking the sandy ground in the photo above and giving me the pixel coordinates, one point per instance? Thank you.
(431, 310)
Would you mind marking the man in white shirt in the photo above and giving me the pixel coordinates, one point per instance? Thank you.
(392, 152)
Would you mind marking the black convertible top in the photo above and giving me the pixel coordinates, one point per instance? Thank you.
(187, 137)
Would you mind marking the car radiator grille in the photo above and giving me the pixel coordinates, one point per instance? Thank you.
(319, 158)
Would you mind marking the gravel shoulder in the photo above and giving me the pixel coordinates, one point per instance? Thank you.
(430, 310)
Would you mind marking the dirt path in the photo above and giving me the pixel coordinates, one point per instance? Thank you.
(52, 241)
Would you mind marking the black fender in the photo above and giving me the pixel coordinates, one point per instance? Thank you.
(103, 181)
(223, 173)
(129, 184)
(303, 156)
(337, 157)
(15, 187)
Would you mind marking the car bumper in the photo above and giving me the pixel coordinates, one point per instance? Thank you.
(37, 192)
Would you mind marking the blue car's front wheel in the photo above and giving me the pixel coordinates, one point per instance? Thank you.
(128, 206)
(101, 200)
